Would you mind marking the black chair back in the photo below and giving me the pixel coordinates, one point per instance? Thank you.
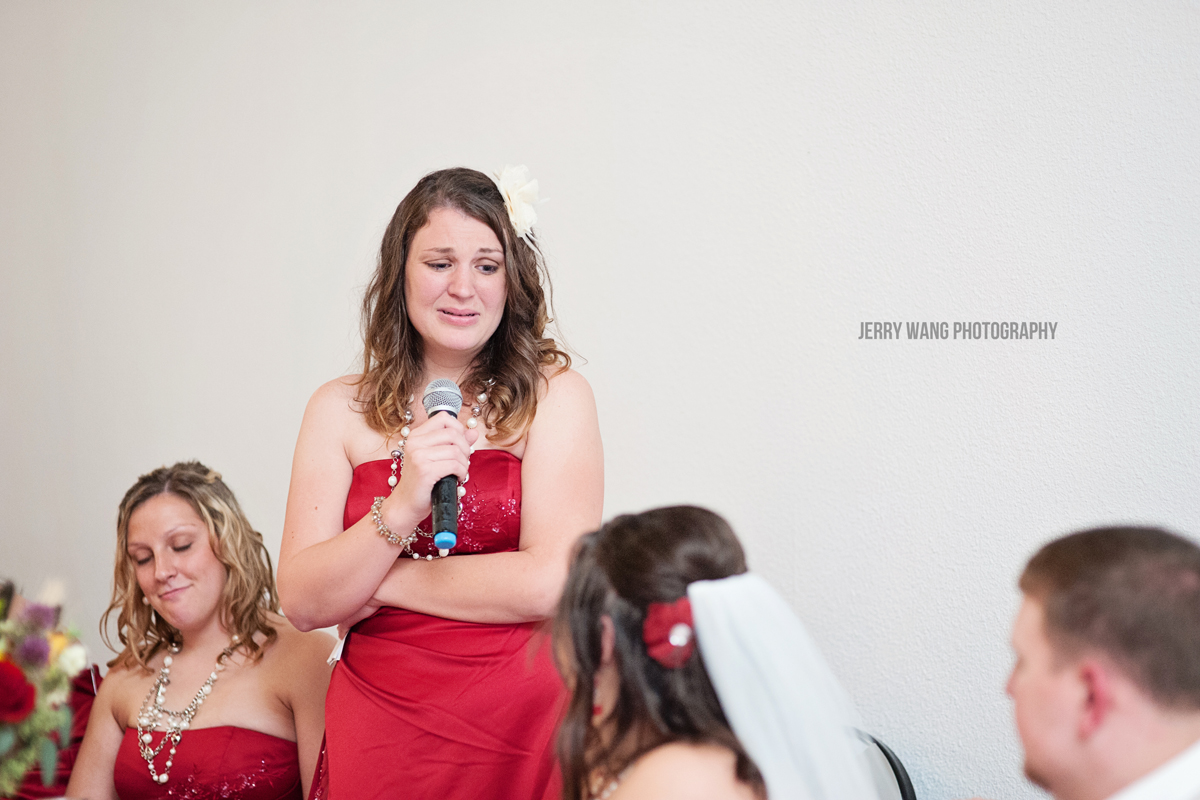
(890, 775)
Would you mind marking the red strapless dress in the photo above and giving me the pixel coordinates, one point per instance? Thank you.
(212, 764)
(425, 707)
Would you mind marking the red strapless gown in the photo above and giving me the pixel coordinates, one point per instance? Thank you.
(425, 707)
(212, 764)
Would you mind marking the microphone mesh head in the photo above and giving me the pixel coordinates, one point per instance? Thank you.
(442, 395)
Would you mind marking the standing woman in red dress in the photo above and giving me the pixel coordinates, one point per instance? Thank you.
(445, 688)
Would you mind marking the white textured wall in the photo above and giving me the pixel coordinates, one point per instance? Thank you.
(191, 196)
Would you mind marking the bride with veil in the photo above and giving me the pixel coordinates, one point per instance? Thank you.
(691, 677)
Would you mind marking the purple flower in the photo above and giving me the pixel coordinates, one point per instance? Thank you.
(34, 651)
(41, 617)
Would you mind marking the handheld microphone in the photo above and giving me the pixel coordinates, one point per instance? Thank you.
(443, 395)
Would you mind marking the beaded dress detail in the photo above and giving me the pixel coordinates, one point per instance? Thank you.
(421, 706)
(217, 763)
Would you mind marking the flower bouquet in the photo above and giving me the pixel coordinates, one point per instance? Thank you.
(37, 662)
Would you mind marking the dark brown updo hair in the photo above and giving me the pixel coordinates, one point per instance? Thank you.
(514, 356)
(632, 561)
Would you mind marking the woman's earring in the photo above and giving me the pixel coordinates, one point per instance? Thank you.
(145, 600)
(597, 707)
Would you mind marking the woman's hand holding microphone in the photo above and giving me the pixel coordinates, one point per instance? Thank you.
(438, 447)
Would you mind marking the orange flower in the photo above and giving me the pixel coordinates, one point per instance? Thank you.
(58, 643)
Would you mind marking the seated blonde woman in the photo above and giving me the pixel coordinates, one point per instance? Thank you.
(214, 694)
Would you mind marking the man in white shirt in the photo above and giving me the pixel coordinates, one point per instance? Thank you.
(1106, 685)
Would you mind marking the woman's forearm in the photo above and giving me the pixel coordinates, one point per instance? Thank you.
(521, 586)
(326, 582)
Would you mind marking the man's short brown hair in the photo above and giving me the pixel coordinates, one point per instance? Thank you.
(1131, 593)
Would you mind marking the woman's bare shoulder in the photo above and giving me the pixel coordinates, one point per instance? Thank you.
(123, 685)
(340, 394)
(334, 407)
(294, 664)
(565, 390)
(291, 643)
(685, 770)
(334, 421)
(126, 670)
(567, 379)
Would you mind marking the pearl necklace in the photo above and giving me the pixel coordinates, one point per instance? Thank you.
(152, 713)
(398, 464)
(599, 790)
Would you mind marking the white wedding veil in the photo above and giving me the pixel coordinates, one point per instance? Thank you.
(780, 697)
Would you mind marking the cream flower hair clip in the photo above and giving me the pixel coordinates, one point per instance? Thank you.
(520, 196)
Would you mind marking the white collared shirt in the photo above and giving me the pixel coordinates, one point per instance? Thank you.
(1178, 779)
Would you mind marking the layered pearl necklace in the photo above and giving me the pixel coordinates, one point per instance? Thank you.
(398, 463)
(152, 713)
(599, 790)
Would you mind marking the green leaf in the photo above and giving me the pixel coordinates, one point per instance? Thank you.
(48, 758)
(8, 737)
(64, 727)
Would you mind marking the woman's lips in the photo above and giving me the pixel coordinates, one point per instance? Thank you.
(458, 316)
(170, 594)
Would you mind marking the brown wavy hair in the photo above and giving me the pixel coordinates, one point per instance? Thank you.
(248, 597)
(632, 561)
(515, 355)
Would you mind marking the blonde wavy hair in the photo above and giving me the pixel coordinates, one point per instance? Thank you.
(514, 356)
(248, 597)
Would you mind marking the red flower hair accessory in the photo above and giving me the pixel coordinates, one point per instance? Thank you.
(668, 632)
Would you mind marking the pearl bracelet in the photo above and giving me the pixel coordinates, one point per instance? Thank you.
(384, 530)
